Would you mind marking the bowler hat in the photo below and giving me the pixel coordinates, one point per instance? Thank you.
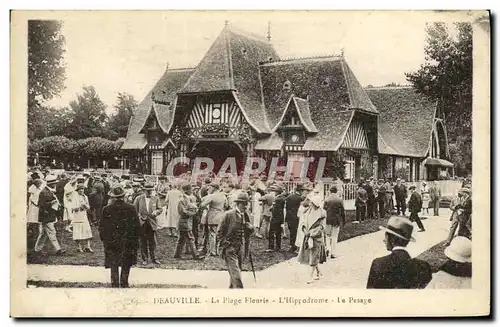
(186, 187)
(80, 186)
(242, 197)
(116, 192)
(412, 187)
(400, 227)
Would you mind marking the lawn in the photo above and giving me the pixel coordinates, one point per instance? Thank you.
(166, 246)
(435, 256)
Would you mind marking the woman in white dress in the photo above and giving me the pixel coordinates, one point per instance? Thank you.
(81, 227)
(161, 220)
(34, 192)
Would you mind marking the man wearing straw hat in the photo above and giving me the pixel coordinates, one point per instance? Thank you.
(398, 269)
(234, 232)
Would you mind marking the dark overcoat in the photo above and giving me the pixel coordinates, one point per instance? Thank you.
(46, 213)
(119, 230)
(399, 270)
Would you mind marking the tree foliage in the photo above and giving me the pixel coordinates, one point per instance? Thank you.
(119, 120)
(89, 116)
(446, 76)
(46, 70)
(62, 147)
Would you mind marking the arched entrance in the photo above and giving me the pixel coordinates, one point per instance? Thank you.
(219, 152)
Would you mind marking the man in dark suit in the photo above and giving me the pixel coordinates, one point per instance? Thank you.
(398, 269)
(360, 203)
(335, 218)
(371, 198)
(48, 209)
(414, 206)
(277, 219)
(119, 230)
(148, 208)
(401, 194)
(234, 232)
(292, 204)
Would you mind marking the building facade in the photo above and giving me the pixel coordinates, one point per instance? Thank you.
(243, 100)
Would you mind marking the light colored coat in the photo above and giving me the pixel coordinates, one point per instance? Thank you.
(215, 203)
(442, 279)
(173, 198)
(148, 214)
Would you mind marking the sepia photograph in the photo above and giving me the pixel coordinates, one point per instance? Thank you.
(309, 159)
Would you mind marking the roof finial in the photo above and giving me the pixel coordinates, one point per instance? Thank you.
(226, 23)
(342, 52)
(269, 31)
(167, 66)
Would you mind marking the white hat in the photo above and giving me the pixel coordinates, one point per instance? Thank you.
(51, 179)
(460, 249)
(314, 198)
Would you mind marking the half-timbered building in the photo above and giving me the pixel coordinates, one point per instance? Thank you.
(243, 100)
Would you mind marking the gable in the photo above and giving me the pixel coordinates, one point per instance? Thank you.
(356, 137)
(218, 112)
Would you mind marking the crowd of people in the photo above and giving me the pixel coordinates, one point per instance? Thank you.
(216, 217)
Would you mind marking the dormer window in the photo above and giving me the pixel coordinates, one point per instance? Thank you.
(270, 59)
(287, 85)
(244, 51)
(326, 82)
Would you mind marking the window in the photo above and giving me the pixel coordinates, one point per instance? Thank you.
(326, 82)
(156, 162)
(350, 164)
(287, 85)
(244, 51)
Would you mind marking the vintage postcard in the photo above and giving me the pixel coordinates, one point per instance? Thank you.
(250, 163)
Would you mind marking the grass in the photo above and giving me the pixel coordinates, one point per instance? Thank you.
(435, 256)
(166, 246)
(33, 283)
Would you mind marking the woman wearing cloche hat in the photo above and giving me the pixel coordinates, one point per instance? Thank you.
(456, 273)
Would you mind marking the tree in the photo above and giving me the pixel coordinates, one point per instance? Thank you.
(46, 70)
(119, 120)
(446, 77)
(89, 116)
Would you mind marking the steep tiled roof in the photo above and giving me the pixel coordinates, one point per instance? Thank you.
(135, 142)
(327, 82)
(232, 63)
(246, 53)
(164, 93)
(358, 97)
(302, 106)
(213, 73)
(331, 132)
(405, 120)
(272, 142)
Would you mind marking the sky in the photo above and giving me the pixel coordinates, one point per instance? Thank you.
(129, 51)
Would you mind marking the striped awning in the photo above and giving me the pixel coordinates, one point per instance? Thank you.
(437, 162)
